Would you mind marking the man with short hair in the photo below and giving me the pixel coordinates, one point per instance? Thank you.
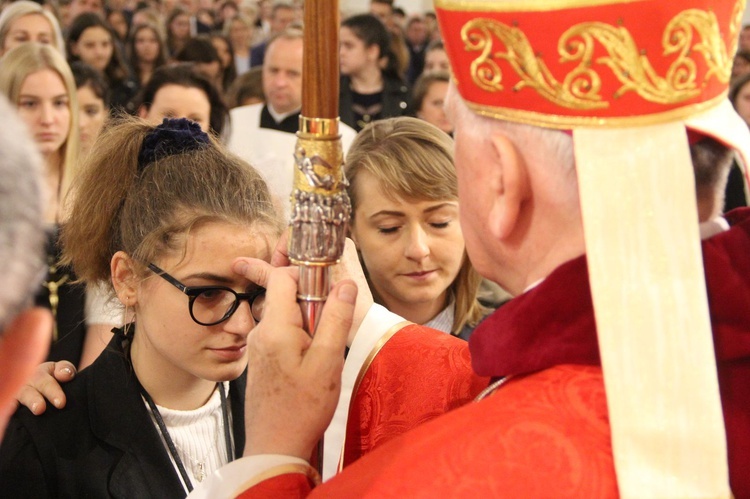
(282, 16)
(383, 10)
(78, 7)
(263, 134)
(24, 331)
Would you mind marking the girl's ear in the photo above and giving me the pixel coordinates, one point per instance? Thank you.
(124, 278)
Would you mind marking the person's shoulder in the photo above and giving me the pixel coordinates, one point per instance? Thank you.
(245, 117)
(417, 353)
(545, 434)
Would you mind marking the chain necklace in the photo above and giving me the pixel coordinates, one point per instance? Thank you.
(493, 386)
(172, 448)
(199, 465)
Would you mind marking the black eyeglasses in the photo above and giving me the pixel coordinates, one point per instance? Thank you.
(211, 305)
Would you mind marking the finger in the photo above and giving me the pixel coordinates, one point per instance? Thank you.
(32, 399)
(253, 269)
(280, 256)
(282, 318)
(281, 296)
(29, 396)
(64, 371)
(45, 385)
(335, 322)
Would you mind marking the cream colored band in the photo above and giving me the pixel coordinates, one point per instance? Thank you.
(644, 257)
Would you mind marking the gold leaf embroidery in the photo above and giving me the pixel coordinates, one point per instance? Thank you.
(691, 33)
(580, 89)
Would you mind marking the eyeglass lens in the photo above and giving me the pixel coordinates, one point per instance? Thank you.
(214, 305)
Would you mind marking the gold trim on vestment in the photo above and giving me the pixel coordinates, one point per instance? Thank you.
(365, 367)
(567, 122)
(525, 6)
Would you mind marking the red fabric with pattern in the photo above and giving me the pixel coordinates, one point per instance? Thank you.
(418, 375)
(288, 486)
(545, 435)
(503, 62)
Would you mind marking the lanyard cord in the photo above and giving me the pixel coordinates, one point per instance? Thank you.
(168, 439)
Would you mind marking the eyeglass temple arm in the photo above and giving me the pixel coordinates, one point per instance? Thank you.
(171, 280)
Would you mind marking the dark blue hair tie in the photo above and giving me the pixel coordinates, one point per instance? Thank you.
(173, 136)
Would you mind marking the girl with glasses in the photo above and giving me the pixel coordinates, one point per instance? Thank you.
(160, 214)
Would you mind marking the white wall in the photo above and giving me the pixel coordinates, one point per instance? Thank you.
(415, 6)
(410, 6)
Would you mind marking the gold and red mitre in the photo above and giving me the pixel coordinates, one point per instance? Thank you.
(569, 63)
(628, 77)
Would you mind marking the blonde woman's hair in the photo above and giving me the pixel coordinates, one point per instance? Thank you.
(22, 8)
(29, 58)
(147, 210)
(412, 159)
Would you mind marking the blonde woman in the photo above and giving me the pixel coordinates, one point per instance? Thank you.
(404, 195)
(26, 21)
(37, 80)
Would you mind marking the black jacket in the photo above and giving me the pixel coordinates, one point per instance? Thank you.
(396, 101)
(102, 444)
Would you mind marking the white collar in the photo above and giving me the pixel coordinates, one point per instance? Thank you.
(279, 117)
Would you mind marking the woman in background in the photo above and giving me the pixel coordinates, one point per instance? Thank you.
(435, 58)
(93, 103)
(38, 81)
(178, 30)
(226, 56)
(147, 51)
(428, 96)
(239, 31)
(404, 195)
(178, 91)
(91, 40)
(26, 21)
(371, 87)
(201, 52)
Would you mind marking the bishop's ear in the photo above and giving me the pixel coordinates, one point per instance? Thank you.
(510, 185)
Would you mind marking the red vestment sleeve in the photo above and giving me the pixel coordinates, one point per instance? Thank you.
(418, 375)
(544, 435)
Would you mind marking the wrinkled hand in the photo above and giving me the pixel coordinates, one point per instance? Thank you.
(293, 381)
(348, 268)
(46, 384)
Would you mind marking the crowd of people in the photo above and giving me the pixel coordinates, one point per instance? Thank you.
(156, 175)
(195, 60)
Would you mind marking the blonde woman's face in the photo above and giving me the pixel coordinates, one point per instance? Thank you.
(44, 105)
(412, 249)
(29, 28)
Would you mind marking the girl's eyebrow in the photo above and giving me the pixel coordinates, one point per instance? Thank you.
(210, 277)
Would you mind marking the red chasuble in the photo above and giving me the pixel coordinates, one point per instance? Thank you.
(545, 433)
